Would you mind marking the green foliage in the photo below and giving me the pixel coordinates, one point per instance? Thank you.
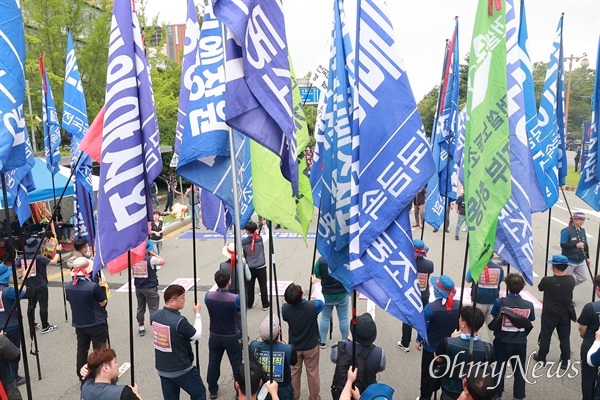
(427, 107)
(310, 110)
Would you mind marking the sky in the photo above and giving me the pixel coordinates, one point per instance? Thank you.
(422, 27)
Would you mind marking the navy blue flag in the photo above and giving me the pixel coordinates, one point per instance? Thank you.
(262, 105)
(19, 182)
(391, 161)
(589, 183)
(215, 215)
(545, 148)
(12, 86)
(130, 147)
(50, 123)
(188, 65)
(514, 236)
(204, 157)
(75, 122)
(333, 154)
(536, 195)
(442, 185)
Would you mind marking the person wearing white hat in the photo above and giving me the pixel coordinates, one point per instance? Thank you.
(88, 302)
(231, 267)
(37, 279)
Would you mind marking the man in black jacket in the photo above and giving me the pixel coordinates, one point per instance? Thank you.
(574, 245)
(254, 253)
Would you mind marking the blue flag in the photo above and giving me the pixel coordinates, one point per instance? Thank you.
(391, 162)
(75, 122)
(50, 122)
(333, 155)
(19, 182)
(589, 183)
(188, 65)
(546, 145)
(12, 86)
(204, 157)
(442, 185)
(459, 151)
(536, 195)
(514, 236)
(130, 147)
(262, 105)
(215, 215)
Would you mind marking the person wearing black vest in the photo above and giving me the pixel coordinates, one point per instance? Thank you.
(172, 334)
(424, 270)
(254, 252)
(38, 281)
(365, 335)
(441, 318)
(88, 303)
(231, 267)
(156, 231)
(335, 295)
(301, 316)
(12, 329)
(99, 374)
(145, 281)
(455, 351)
(558, 297)
(225, 330)
(511, 341)
(574, 245)
(460, 206)
(419, 207)
(589, 322)
(284, 356)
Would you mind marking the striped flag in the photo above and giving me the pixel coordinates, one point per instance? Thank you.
(487, 145)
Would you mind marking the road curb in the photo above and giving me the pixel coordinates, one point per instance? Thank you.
(176, 225)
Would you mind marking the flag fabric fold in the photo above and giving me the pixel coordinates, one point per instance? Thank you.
(391, 162)
(75, 122)
(514, 236)
(130, 147)
(50, 123)
(19, 182)
(332, 161)
(589, 183)
(12, 87)
(262, 107)
(204, 156)
(536, 195)
(487, 145)
(215, 215)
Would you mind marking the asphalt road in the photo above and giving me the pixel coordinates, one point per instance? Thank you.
(293, 257)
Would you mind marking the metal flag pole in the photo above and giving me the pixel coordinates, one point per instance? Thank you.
(35, 351)
(585, 255)
(314, 258)
(596, 268)
(272, 251)
(271, 300)
(548, 241)
(464, 274)
(17, 303)
(196, 344)
(131, 350)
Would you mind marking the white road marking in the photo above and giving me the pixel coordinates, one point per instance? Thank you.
(124, 368)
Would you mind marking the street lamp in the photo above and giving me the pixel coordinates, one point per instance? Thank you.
(584, 63)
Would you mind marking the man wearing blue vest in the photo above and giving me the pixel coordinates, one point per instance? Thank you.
(284, 356)
(225, 332)
(88, 303)
(254, 253)
(574, 245)
(441, 319)
(146, 284)
(12, 329)
(172, 335)
(487, 288)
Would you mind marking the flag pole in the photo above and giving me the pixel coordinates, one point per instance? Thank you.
(272, 252)
(464, 274)
(60, 260)
(17, 303)
(548, 241)
(32, 334)
(131, 352)
(354, 328)
(585, 255)
(596, 268)
(271, 300)
(314, 258)
(194, 264)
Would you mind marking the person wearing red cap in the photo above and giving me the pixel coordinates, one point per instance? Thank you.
(441, 318)
(88, 303)
(574, 245)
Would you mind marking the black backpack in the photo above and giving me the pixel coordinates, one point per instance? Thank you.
(344, 361)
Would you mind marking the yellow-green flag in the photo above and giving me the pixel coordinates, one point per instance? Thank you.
(273, 197)
(487, 146)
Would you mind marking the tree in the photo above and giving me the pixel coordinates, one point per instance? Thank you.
(427, 107)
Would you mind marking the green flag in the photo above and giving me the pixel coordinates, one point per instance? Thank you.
(273, 198)
(487, 146)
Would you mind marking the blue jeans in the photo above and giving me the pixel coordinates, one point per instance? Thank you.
(190, 382)
(216, 347)
(341, 306)
(459, 224)
(155, 198)
(196, 214)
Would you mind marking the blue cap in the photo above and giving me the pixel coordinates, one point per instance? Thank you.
(5, 272)
(443, 284)
(558, 259)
